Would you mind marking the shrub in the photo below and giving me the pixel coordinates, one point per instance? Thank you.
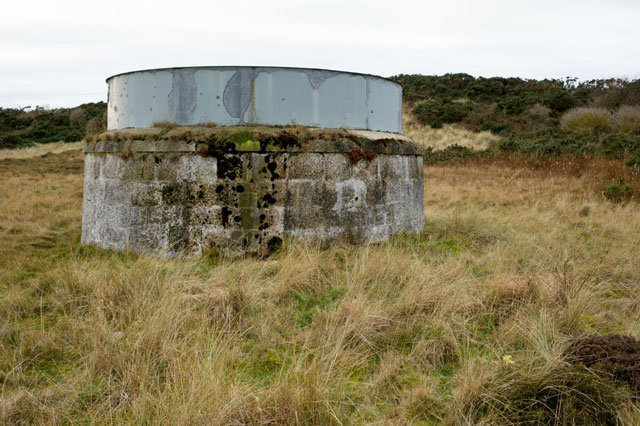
(95, 126)
(627, 119)
(10, 141)
(19, 127)
(548, 141)
(488, 117)
(536, 117)
(513, 105)
(452, 153)
(539, 112)
(514, 98)
(611, 99)
(587, 120)
(554, 141)
(618, 145)
(77, 117)
(441, 111)
(634, 161)
(561, 101)
(612, 93)
(423, 87)
(618, 193)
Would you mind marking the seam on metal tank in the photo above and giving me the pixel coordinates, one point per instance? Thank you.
(182, 99)
(367, 91)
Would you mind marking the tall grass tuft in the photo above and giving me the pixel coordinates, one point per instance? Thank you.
(587, 120)
(627, 119)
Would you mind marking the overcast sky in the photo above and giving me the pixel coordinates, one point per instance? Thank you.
(59, 52)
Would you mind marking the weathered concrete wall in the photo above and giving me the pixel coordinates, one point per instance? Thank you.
(164, 196)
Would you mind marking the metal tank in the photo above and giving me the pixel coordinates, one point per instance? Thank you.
(232, 95)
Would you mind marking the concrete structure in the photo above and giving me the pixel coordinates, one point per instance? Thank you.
(186, 189)
(254, 95)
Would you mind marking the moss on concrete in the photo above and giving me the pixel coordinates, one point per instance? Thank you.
(214, 141)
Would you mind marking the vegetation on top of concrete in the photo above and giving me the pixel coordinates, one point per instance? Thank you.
(215, 140)
(234, 134)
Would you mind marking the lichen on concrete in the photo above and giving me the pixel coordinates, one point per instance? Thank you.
(166, 195)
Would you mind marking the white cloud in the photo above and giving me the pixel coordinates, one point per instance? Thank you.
(59, 53)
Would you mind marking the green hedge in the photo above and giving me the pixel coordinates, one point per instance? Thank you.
(20, 128)
(437, 112)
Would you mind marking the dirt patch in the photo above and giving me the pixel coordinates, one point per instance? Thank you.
(611, 355)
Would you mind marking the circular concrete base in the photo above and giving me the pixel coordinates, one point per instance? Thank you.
(179, 195)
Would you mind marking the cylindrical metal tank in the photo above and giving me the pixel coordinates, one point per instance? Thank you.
(294, 153)
(231, 95)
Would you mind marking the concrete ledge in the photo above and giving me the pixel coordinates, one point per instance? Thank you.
(251, 139)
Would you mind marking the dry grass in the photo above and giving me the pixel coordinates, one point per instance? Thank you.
(627, 119)
(40, 149)
(448, 135)
(595, 172)
(465, 324)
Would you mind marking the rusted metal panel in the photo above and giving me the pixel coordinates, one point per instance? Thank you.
(254, 95)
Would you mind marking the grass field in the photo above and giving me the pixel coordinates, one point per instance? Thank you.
(464, 324)
(39, 150)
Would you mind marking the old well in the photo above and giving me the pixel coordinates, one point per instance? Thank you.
(245, 157)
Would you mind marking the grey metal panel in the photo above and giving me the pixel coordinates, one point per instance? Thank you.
(254, 95)
(280, 98)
